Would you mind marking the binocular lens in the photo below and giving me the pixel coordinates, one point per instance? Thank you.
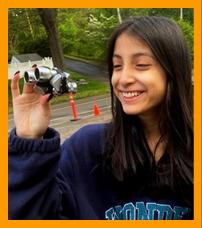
(26, 76)
(37, 73)
(29, 76)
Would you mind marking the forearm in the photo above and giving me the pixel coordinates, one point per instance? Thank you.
(33, 165)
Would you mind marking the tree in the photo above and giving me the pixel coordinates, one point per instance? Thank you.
(188, 32)
(119, 15)
(31, 37)
(83, 32)
(48, 17)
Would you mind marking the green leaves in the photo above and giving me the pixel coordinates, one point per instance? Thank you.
(83, 32)
(188, 32)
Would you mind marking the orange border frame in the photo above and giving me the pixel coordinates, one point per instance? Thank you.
(4, 5)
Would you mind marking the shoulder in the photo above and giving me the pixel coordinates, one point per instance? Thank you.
(83, 149)
(89, 135)
(91, 130)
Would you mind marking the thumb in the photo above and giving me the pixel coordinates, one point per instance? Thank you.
(45, 99)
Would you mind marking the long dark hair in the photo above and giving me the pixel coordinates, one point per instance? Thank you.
(127, 154)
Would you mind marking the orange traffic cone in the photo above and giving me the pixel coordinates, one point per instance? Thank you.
(73, 107)
(74, 112)
(96, 110)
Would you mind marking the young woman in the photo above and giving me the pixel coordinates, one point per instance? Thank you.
(137, 167)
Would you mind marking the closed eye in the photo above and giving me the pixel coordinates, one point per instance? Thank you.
(143, 66)
(117, 66)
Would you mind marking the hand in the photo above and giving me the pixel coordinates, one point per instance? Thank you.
(31, 110)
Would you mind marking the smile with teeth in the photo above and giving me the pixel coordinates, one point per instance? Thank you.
(131, 94)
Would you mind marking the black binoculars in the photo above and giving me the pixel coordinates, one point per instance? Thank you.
(50, 80)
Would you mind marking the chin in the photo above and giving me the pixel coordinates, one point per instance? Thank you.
(131, 111)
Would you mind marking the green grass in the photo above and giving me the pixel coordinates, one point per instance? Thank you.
(92, 88)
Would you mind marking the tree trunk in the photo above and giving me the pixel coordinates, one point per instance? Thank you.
(119, 15)
(29, 23)
(48, 17)
(181, 13)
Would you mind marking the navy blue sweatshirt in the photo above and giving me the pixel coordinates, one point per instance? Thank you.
(49, 181)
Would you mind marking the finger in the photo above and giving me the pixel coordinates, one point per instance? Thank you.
(34, 66)
(28, 88)
(45, 99)
(15, 85)
(50, 97)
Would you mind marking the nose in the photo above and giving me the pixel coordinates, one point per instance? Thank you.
(127, 76)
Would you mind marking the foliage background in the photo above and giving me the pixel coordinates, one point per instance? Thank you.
(83, 31)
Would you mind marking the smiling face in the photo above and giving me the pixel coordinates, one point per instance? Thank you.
(138, 80)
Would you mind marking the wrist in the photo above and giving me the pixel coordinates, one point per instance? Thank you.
(28, 135)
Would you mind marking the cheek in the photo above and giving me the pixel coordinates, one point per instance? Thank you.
(162, 83)
(158, 80)
(159, 89)
(113, 81)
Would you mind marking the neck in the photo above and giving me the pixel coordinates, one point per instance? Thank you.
(150, 125)
(152, 133)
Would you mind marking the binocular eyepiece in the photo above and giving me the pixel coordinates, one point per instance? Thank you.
(47, 80)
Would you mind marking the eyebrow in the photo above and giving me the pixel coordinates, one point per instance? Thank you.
(136, 55)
